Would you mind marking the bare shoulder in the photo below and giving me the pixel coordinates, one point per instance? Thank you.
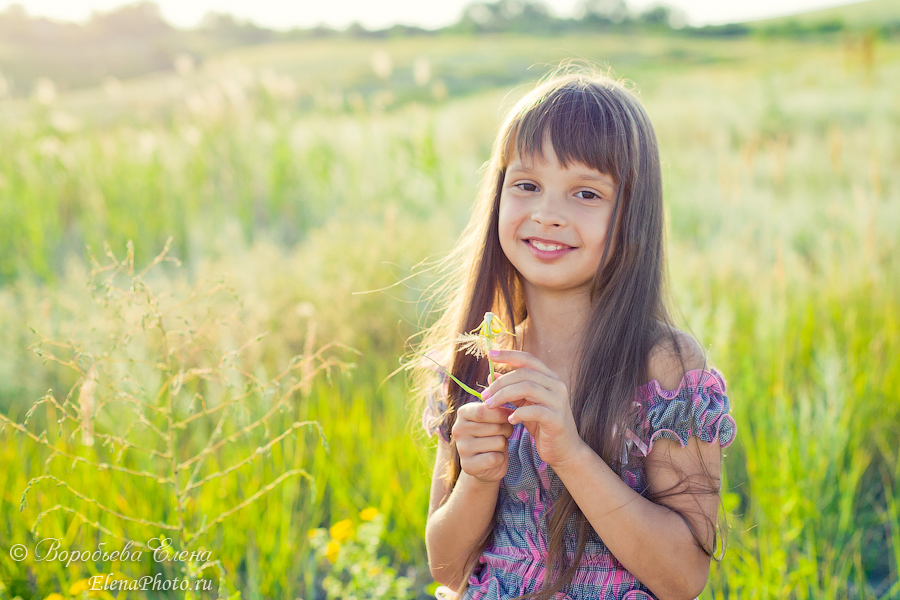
(668, 364)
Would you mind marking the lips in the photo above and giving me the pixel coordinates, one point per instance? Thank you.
(547, 245)
(547, 249)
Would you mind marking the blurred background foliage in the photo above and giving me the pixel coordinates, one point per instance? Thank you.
(315, 170)
(135, 39)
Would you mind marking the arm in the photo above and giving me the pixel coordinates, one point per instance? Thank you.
(650, 540)
(458, 519)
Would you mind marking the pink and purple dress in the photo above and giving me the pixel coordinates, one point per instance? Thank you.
(514, 562)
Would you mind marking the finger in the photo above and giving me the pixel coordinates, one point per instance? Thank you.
(525, 374)
(519, 358)
(498, 426)
(523, 392)
(482, 430)
(487, 460)
(531, 413)
(481, 413)
(494, 443)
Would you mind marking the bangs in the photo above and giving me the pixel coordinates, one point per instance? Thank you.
(583, 121)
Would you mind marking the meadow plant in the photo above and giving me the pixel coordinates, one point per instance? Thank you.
(160, 407)
(478, 343)
(354, 571)
(783, 213)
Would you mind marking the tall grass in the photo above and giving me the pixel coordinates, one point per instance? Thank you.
(783, 200)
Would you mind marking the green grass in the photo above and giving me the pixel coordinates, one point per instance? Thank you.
(856, 15)
(783, 203)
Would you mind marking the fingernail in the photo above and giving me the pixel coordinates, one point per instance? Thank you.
(495, 353)
(510, 418)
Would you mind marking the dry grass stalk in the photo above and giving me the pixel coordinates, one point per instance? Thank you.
(151, 428)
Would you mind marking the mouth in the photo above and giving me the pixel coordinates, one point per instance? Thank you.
(547, 248)
(546, 245)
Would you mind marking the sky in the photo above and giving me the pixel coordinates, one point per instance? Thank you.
(281, 14)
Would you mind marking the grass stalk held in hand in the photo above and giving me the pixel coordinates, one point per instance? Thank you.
(479, 343)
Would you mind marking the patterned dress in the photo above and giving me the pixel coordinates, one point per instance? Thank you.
(514, 564)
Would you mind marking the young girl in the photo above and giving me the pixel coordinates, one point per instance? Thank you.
(591, 469)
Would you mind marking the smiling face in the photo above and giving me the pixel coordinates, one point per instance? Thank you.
(554, 220)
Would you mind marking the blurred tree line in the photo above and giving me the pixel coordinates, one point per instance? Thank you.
(135, 39)
(131, 40)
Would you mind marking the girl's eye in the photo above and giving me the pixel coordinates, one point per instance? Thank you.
(527, 187)
(588, 195)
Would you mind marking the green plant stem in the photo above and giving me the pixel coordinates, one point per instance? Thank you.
(450, 375)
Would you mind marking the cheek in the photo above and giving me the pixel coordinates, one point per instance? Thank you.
(599, 228)
(506, 224)
(603, 221)
(606, 228)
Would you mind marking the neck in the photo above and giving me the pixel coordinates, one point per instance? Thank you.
(553, 329)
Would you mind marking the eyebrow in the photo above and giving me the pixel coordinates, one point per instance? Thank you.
(588, 175)
(605, 179)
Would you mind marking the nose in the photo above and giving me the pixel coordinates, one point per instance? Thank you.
(549, 211)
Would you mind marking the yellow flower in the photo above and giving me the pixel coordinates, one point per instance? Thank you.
(492, 327)
(374, 571)
(480, 340)
(331, 552)
(368, 514)
(55, 596)
(80, 586)
(84, 585)
(341, 530)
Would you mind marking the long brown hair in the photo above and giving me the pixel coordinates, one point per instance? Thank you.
(595, 121)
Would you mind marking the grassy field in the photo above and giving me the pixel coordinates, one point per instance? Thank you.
(860, 15)
(300, 175)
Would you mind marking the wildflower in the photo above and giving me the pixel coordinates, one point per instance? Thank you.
(84, 585)
(341, 530)
(473, 344)
(480, 340)
(55, 596)
(368, 514)
(331, 551)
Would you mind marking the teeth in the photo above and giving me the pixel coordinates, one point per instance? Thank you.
(546, 247)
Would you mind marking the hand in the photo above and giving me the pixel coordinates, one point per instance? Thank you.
(542, 404)
(482, 440)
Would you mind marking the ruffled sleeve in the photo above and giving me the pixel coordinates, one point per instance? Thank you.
(698, 407)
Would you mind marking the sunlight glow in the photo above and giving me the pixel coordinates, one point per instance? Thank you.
(276, 14)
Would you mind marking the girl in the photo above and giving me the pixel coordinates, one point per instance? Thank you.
(591, 469)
